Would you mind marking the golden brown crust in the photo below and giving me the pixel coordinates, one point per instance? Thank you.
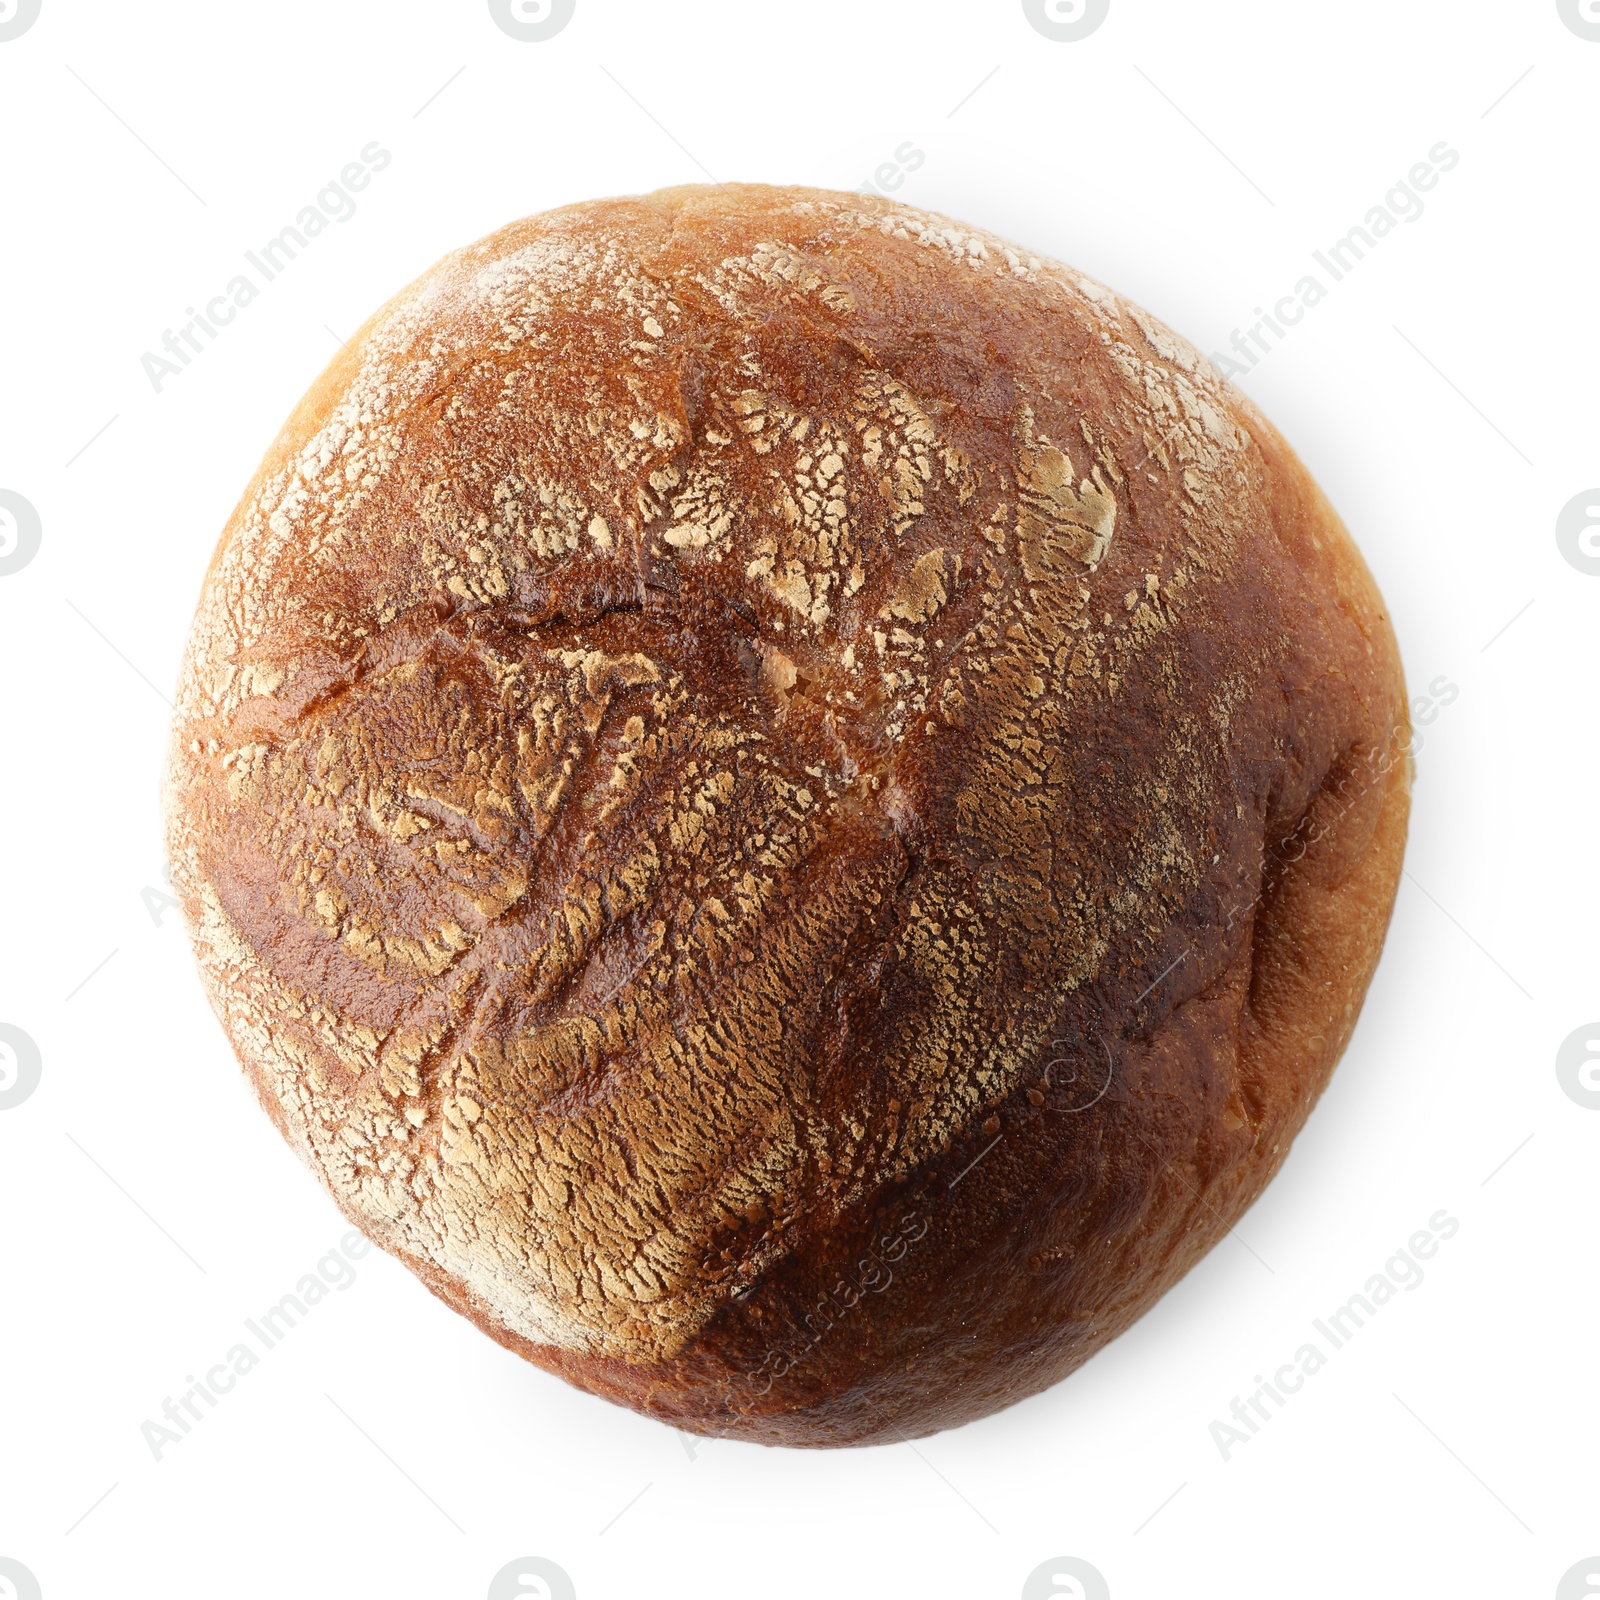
(791, 803)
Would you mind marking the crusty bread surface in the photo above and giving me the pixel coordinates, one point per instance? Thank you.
(791, 803)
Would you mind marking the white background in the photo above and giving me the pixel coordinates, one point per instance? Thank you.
(1444, 394)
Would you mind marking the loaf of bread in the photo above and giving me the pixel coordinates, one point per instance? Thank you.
(790, 803)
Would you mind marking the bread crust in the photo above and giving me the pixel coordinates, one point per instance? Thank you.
(791, 803)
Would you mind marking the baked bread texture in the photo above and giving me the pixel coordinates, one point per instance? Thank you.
(790, 803)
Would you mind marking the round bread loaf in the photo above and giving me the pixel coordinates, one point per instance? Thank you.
(790, 803)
